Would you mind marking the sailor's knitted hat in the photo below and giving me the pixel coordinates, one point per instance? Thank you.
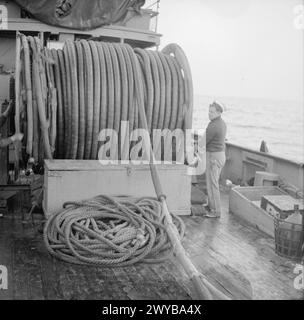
(219, 106)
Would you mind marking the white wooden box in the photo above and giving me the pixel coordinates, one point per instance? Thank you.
(75, 180)
(245, 202)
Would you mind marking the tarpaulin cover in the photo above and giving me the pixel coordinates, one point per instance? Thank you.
(79, 14)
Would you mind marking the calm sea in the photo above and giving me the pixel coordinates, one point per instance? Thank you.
(249, 121)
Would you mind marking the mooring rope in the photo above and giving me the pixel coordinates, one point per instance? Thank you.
(110, 231)
(70, 95)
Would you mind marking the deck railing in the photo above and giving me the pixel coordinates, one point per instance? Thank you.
(242, 163)
(153, 7)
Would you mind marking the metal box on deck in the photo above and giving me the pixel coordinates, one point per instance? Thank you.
(75, 180)
(245, 202)
(281, 205)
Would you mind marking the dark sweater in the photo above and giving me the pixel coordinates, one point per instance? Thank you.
(215, 135)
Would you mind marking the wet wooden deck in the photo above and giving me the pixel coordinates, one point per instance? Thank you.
(236, 258)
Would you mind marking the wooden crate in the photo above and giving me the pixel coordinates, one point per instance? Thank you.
(75, 180)
(245, 202)
(281, 205)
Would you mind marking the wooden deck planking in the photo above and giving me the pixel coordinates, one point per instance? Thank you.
(6, 255)
(246, 250)
(236, 258)
(156, 290)
(27, 270)
(50, 284)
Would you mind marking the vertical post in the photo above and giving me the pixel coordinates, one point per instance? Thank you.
(156, 21)
(3, 154)
(41, 37)
(157, 10)
(17, 102)
(302, 240)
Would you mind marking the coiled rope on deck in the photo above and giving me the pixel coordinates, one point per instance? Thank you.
(71, 94)
(110, 231)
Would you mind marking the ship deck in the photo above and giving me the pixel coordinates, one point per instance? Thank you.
(237, 258)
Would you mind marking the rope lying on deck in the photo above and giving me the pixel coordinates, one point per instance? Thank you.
(110, 231)
(68, 96)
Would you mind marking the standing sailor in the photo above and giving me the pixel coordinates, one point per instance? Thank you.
(215, 157)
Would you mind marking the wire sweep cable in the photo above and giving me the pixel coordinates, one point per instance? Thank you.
(72, 94)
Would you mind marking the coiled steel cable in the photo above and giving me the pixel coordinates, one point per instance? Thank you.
(94, 90)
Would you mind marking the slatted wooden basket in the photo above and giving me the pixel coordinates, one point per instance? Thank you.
(289, 239)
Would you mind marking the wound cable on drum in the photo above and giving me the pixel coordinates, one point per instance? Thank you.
(75, 92)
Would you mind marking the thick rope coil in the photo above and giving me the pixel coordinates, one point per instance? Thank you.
(110, 231)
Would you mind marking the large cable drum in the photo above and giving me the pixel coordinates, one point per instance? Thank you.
(72, 94)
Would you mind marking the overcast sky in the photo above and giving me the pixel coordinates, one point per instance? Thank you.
(241, 48)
